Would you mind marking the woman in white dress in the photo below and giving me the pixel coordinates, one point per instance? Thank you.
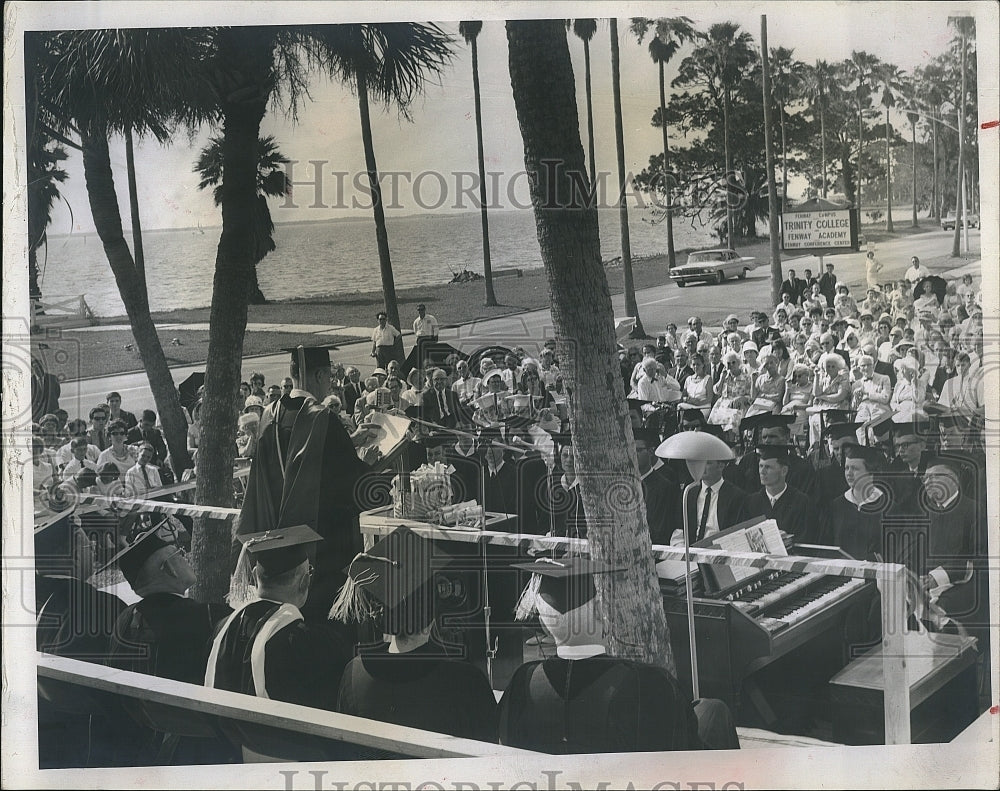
(698, 391)
(121, 455)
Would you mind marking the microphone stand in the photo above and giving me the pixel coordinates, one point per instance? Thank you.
(688, 591)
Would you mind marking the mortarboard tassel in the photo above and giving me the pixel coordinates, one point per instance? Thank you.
(353, 603)
(241, 585)
(527, 604)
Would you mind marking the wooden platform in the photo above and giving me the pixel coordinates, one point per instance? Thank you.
(941, 671)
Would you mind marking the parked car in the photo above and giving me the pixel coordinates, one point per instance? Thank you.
(948, 221)
(712, 266)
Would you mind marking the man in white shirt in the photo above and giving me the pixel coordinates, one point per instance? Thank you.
(917, 271)
(655, 385)
(425, 326)
(465, 385)
(143, 476)
(696, 330)
(383, 340)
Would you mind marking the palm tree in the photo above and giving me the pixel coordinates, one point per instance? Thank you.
(631, 303)
(965, 26)
(932, 93)
(718, 63)
(569, 241)
(272, 182)
(819, 83)
(859, 75)
(44, 178)
(669, 34)
(890, 83)
(786, 75)
(585, 29)
(133, 205)
(470, 32)
(390, 63)
(93, 83)
(913, 117)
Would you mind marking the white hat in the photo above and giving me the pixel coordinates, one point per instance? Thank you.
(253, 401)
(749, 346)
(247, 418)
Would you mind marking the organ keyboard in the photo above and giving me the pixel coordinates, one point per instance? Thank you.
(743, 629)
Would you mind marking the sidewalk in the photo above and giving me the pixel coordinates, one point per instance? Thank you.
(315, 329)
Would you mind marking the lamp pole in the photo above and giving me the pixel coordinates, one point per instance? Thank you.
(689, 592)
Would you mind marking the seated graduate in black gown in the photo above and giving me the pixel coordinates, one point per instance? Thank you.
(584, 701)
(853, 521)
(793, 511)
(415, 678)
(265, 648)
(166, 634)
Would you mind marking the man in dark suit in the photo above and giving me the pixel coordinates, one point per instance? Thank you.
(792, 286)
(763, 333)
(515, 483)
(147, 431)
(828, 285)
(792, 510)
(660, 489)
(353, 388)
(439, 404)
(713, 507)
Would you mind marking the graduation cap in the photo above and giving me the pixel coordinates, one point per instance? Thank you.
(310, 357)
(436, 440)
(395, 577)
(131, 559)
(836, 416)
(766, 420)
(54, 546)
(275, 551)
(951, 420)
(842, 431)
(647, 435)
(916, 428)
(562, 583)
(778, 452)
(715, 431)
(694, 415)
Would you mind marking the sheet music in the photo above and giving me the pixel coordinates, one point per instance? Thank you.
(763, 537)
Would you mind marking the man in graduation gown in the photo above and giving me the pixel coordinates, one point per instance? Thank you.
(830, 478)
(165, 634)
(306, 471)
(417, 678)
(583, 701)
(514, 482)
(773, 430)
(266, 648)
(792, 510)
(660, 490)
(566, 504)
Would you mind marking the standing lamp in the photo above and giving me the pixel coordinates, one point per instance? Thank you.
(696, 448)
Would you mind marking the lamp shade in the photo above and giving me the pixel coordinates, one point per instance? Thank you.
(694, 446)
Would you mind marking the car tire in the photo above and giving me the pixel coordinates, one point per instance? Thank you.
(681, 284)
(743, 274)
(719, 276)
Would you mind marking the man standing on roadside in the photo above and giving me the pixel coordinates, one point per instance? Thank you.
(828, 285)
(425, 326)
(384, 340)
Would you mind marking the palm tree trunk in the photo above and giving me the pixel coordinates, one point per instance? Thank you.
(491, 298)
(590, 116)
(959, 219)
(913, 174)
(631, 304)
(772, 193)
(234, 262)
(861, 138)
(381, 234)
(888, 177)
(935, 200)
(784, 158)
(107, 220)
(730, 237)
(667, 185)
(822, 146)
(569, 240)
(133, 204)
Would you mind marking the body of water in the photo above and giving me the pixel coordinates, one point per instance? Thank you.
(335, 257)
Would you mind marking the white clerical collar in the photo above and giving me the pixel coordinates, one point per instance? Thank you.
(464, 454)
(494, 470)
(654, 468)
(297, 393)
(565, 485)
(774, 497)
(580, 651)
(871, 498)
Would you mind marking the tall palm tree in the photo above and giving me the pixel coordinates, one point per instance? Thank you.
(786, 75)
(718, 62)
(569, 241)
(470, 32)
(890, 83)
(95, 83)
(965, 27)
(669, 34)
(272, 182)
(585, 29)
(933, 94)
(858, 76)
(133, 205)
(631, 303)
(389, 62)
(913, 117)
(818, 84)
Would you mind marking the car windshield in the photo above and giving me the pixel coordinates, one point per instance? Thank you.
(695, 258)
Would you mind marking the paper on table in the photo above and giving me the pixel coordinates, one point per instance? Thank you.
(390, 436)
(763, 537)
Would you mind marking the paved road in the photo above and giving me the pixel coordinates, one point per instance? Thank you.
(657, 306)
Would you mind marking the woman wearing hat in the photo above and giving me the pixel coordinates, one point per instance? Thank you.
(831, 390)
(872, 267)
(768, 387)
(910, 392)
(734, 394)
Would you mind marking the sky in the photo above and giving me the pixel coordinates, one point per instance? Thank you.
(440, 140)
